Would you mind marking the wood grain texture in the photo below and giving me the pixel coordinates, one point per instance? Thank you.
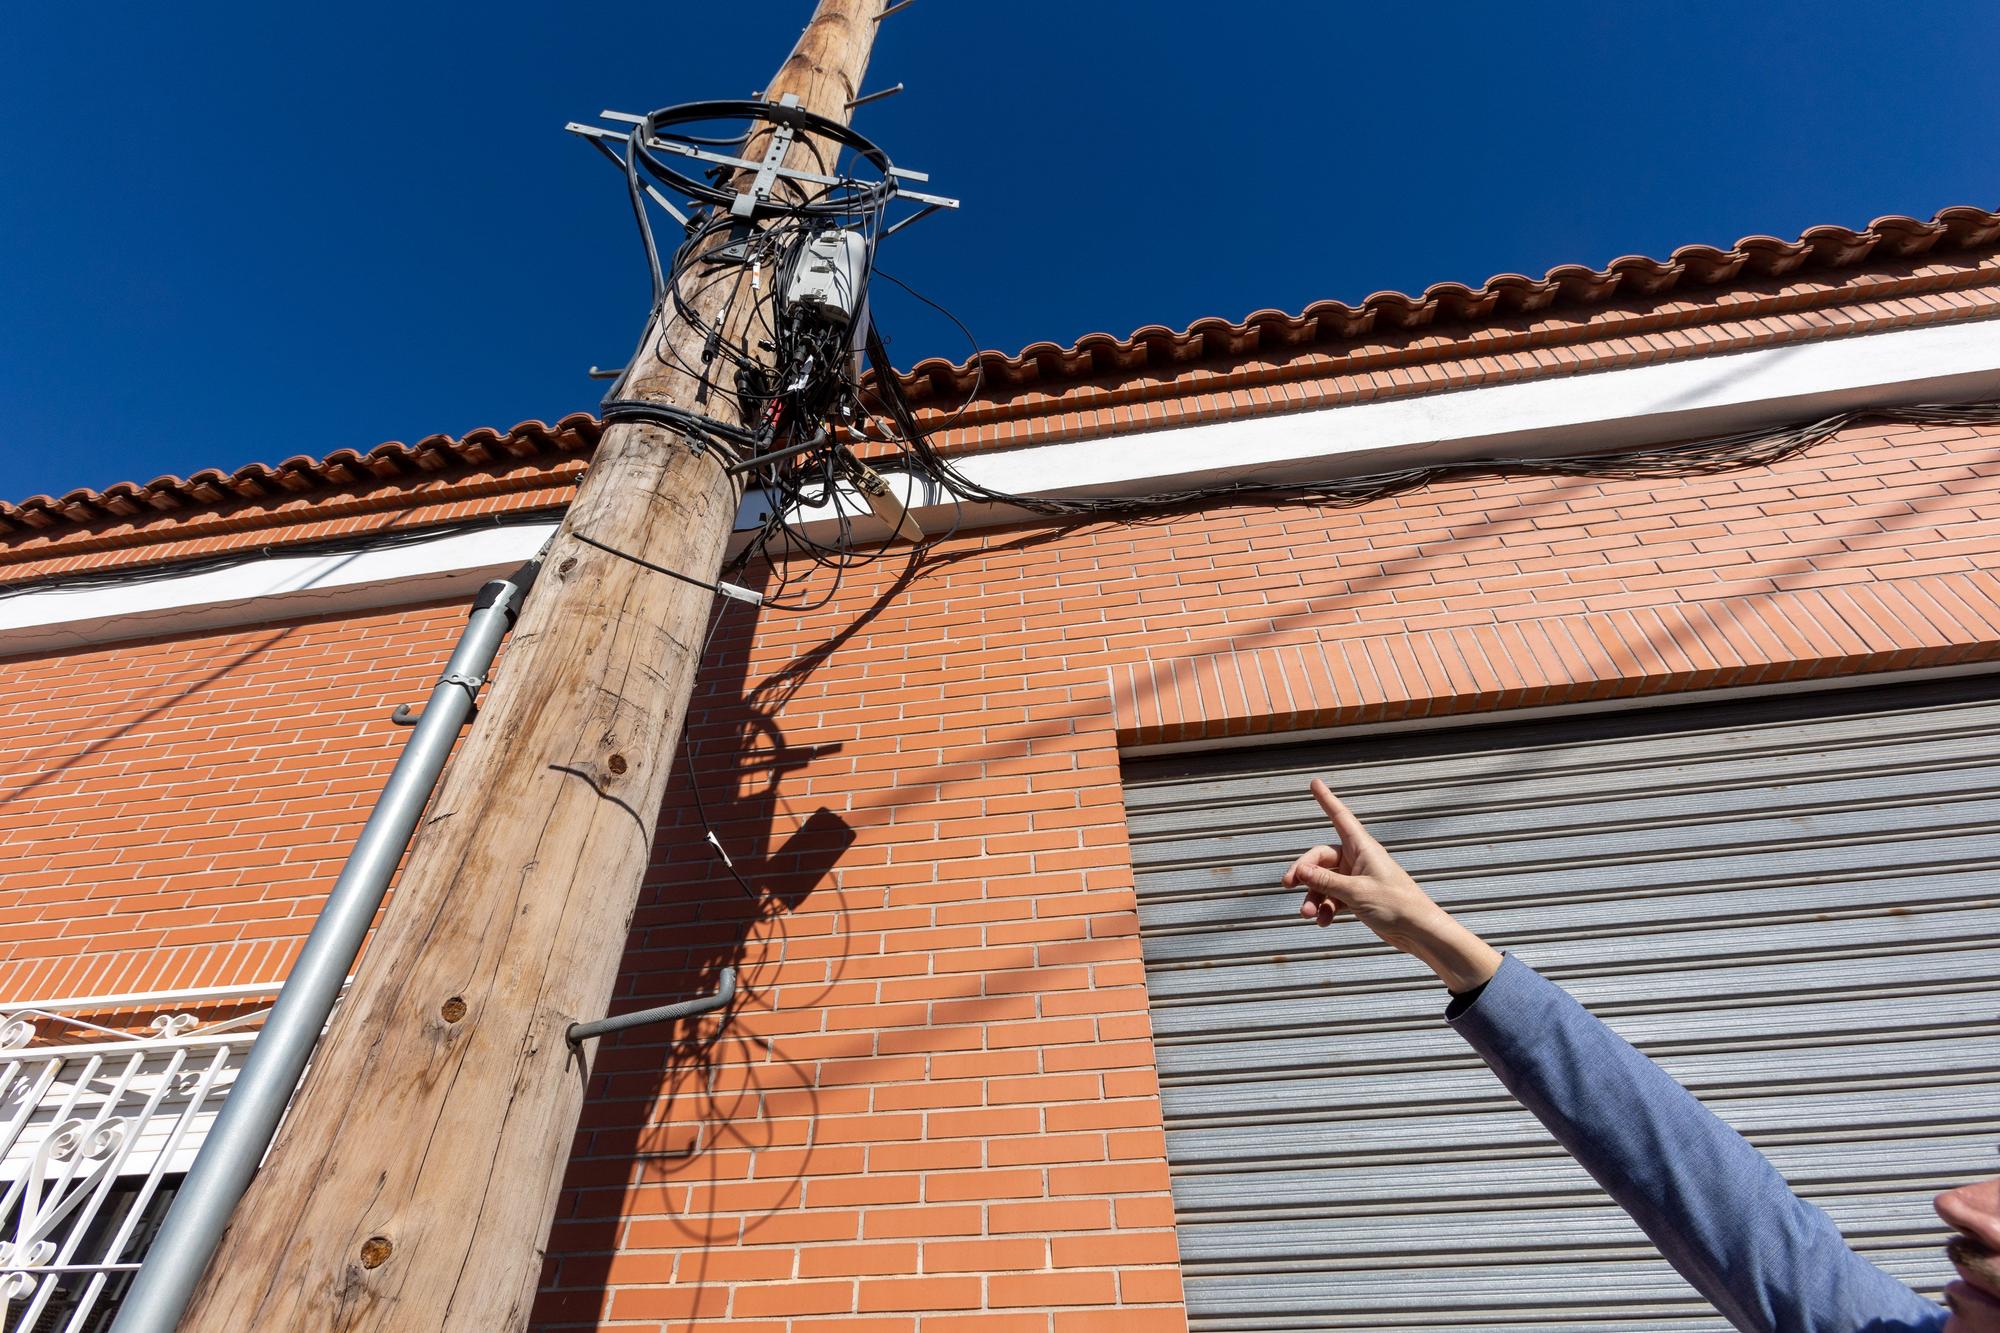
(412, 1188)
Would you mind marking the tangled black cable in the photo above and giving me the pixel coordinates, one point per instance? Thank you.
(794, 379)
(793, 376)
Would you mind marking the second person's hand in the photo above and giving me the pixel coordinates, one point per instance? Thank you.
(1361, 877)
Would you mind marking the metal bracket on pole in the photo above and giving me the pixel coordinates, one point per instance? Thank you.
(403, 717)
(767, 170)
(579, 1033)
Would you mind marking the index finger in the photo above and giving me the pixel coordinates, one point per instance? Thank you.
(1344, 821)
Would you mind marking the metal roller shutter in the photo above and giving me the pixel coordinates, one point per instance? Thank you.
(1793, 904)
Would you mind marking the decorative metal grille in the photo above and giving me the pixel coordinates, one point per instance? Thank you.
(98, 1120)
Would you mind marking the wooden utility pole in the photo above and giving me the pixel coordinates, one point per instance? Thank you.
(413, 1185)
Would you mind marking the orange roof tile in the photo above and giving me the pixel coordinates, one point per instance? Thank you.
(1508, 294)
(1692, 267)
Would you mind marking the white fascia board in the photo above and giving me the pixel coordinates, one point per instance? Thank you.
(1593, 412)
(269, 588)
(1572, 414)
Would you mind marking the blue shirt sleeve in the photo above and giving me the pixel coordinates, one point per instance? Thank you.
(1719, 1213)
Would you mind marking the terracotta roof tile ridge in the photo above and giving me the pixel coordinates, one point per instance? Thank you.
(576, 433)
(1753, 257)
(1691, 266)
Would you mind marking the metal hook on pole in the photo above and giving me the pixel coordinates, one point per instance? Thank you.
(579, 1033)
(866, 98)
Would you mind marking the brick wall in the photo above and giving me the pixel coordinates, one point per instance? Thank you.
(933, 1107)
(173, 812)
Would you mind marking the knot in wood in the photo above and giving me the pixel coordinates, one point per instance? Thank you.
(375, 1251)
(616, 763)
(453, 1009)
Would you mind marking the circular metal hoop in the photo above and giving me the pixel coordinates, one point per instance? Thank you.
(855, 195)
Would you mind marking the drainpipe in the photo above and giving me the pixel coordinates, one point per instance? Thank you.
(250, 1114)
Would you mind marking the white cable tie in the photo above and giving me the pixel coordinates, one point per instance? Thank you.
(716, 843)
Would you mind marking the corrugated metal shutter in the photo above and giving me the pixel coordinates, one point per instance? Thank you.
(1793, 904)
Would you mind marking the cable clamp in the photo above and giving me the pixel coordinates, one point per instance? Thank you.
(403, 717)
(730, 590)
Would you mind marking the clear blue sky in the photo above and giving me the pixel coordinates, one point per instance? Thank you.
(234, 232)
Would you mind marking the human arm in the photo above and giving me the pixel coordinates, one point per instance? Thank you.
(1717, 1211)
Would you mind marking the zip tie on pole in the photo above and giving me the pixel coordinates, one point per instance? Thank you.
(720, 850)
(730, 590)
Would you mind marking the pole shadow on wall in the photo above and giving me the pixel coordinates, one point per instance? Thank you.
(663, 1104)
(666, 1105)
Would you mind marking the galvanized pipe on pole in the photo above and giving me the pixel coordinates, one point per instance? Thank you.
(416, 1182)
(256, 1103)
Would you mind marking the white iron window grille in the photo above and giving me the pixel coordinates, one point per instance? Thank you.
(99, 1118)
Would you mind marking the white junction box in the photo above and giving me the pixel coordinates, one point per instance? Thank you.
(828, 276)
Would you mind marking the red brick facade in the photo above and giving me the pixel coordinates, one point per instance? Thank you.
(934, 1107)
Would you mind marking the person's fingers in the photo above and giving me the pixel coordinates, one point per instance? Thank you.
(1975, 1263)
(1972, 1310)
(1317, 878)
(1317, 856)
(1352, 834)
(1973, 1209)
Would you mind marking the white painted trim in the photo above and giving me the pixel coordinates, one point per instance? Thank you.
(1596, 411)
(262, 589)
(143, 998)
(1571, 414)
(1502, 716)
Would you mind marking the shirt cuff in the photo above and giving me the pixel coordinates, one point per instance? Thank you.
(1503, 1011)
(1462, 1000)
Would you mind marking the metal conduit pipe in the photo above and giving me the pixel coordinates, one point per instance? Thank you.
(250, 1114)
(666, 1013)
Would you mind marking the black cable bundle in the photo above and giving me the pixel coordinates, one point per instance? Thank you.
(1744, 449)
(814, 398)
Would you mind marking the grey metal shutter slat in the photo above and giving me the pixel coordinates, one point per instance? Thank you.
(1584, 743)
(1901, 1166)
(1759, 1028)
(1884, 1066)
(1877, 1222)
(1792, 904)
(1437, 791)
(1654, 826)
(1689, 991)
(1234, 1142)
(1551, 920)
(1873, 933)
(1629, 863)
